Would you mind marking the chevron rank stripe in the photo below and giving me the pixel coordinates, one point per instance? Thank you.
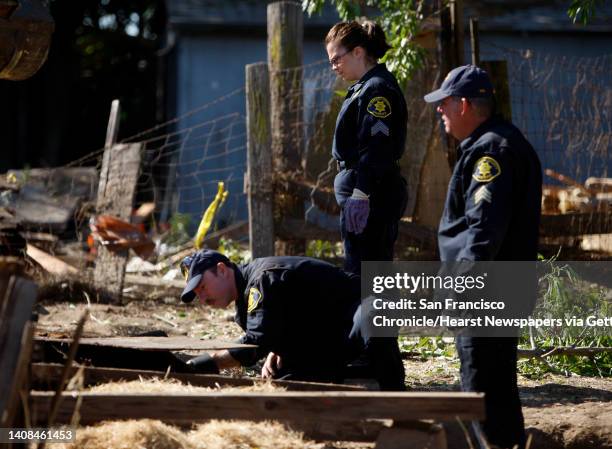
(482, 194)
(380, 127)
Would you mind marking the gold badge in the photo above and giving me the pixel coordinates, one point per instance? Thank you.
(255, 298)
(486, 169)
(379, 107)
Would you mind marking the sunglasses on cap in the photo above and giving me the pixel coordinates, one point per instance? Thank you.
(185, 265)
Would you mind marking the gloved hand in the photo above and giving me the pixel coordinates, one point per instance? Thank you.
(203, 364)
(356, 211)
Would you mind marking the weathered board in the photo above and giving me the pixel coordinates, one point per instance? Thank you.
(259, 161)
(118, 178)
(46, 376)
(151, 343)
(292, 406)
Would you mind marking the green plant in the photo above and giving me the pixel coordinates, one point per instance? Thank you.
(583, 10)
(564, 295)
(179, 226)
(323, 249)
(233, 250)
(427, 347)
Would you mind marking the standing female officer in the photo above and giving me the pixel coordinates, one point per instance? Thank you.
(368, 142)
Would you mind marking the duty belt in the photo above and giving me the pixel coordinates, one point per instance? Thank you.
(345, 165)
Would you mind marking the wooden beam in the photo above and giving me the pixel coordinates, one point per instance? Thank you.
(293, 406)
(475, 41)
(116, 189)
(47, 375)
(50, 263)
(285, 36)
(151, 343)
(260, 192)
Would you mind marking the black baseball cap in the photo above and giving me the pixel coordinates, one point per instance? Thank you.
(197, 264)
(466, 81)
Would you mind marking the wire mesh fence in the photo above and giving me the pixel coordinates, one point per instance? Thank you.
(561, 103)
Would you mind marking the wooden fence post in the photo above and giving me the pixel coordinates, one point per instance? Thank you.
(116, 189)
(285, 35)
(260, 182)
(475, 41)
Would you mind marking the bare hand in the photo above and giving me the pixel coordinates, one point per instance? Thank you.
(272, 364)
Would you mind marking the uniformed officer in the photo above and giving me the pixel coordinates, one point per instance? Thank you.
(302, 313)
(492, 212)
(368, 142)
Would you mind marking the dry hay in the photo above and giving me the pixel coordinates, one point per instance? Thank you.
(145, 433)
(246, 434)
(152, 434)
(156, 385)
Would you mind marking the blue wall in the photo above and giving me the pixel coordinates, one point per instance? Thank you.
(209, 67)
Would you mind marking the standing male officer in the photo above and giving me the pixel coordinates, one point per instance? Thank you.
(492, 212)
(302, 313)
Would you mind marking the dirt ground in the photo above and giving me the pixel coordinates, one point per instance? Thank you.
(560, 412)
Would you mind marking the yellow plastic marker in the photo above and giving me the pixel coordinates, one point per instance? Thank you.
(209, 215)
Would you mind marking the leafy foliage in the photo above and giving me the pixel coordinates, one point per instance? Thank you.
(323, 249)
(400, 19)
(233, 250)
(565, 295)
(583, 10)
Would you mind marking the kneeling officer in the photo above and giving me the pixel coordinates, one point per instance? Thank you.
(302, 313)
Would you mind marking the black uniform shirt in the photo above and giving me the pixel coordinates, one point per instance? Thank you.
(370, 132)
(293, 306)
(493, 205)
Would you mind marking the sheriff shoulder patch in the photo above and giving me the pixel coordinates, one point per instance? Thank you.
(486, 169)
(255, 298)
(379, 107)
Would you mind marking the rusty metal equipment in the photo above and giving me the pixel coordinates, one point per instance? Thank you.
(25, 36)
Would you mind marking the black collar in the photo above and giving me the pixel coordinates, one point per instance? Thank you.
(378, 69)
(241, 304)
(479, 131)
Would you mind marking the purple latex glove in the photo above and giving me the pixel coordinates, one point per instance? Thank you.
(356, 213)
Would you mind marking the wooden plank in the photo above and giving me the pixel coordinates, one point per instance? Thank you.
(456, 8)
(118, 178)
(151, 343)
(112, 130)
(15, 342)
(259, 161)
(285, 37)
(47, 375)
(475, 40)
(50, 263)
(290, 405)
